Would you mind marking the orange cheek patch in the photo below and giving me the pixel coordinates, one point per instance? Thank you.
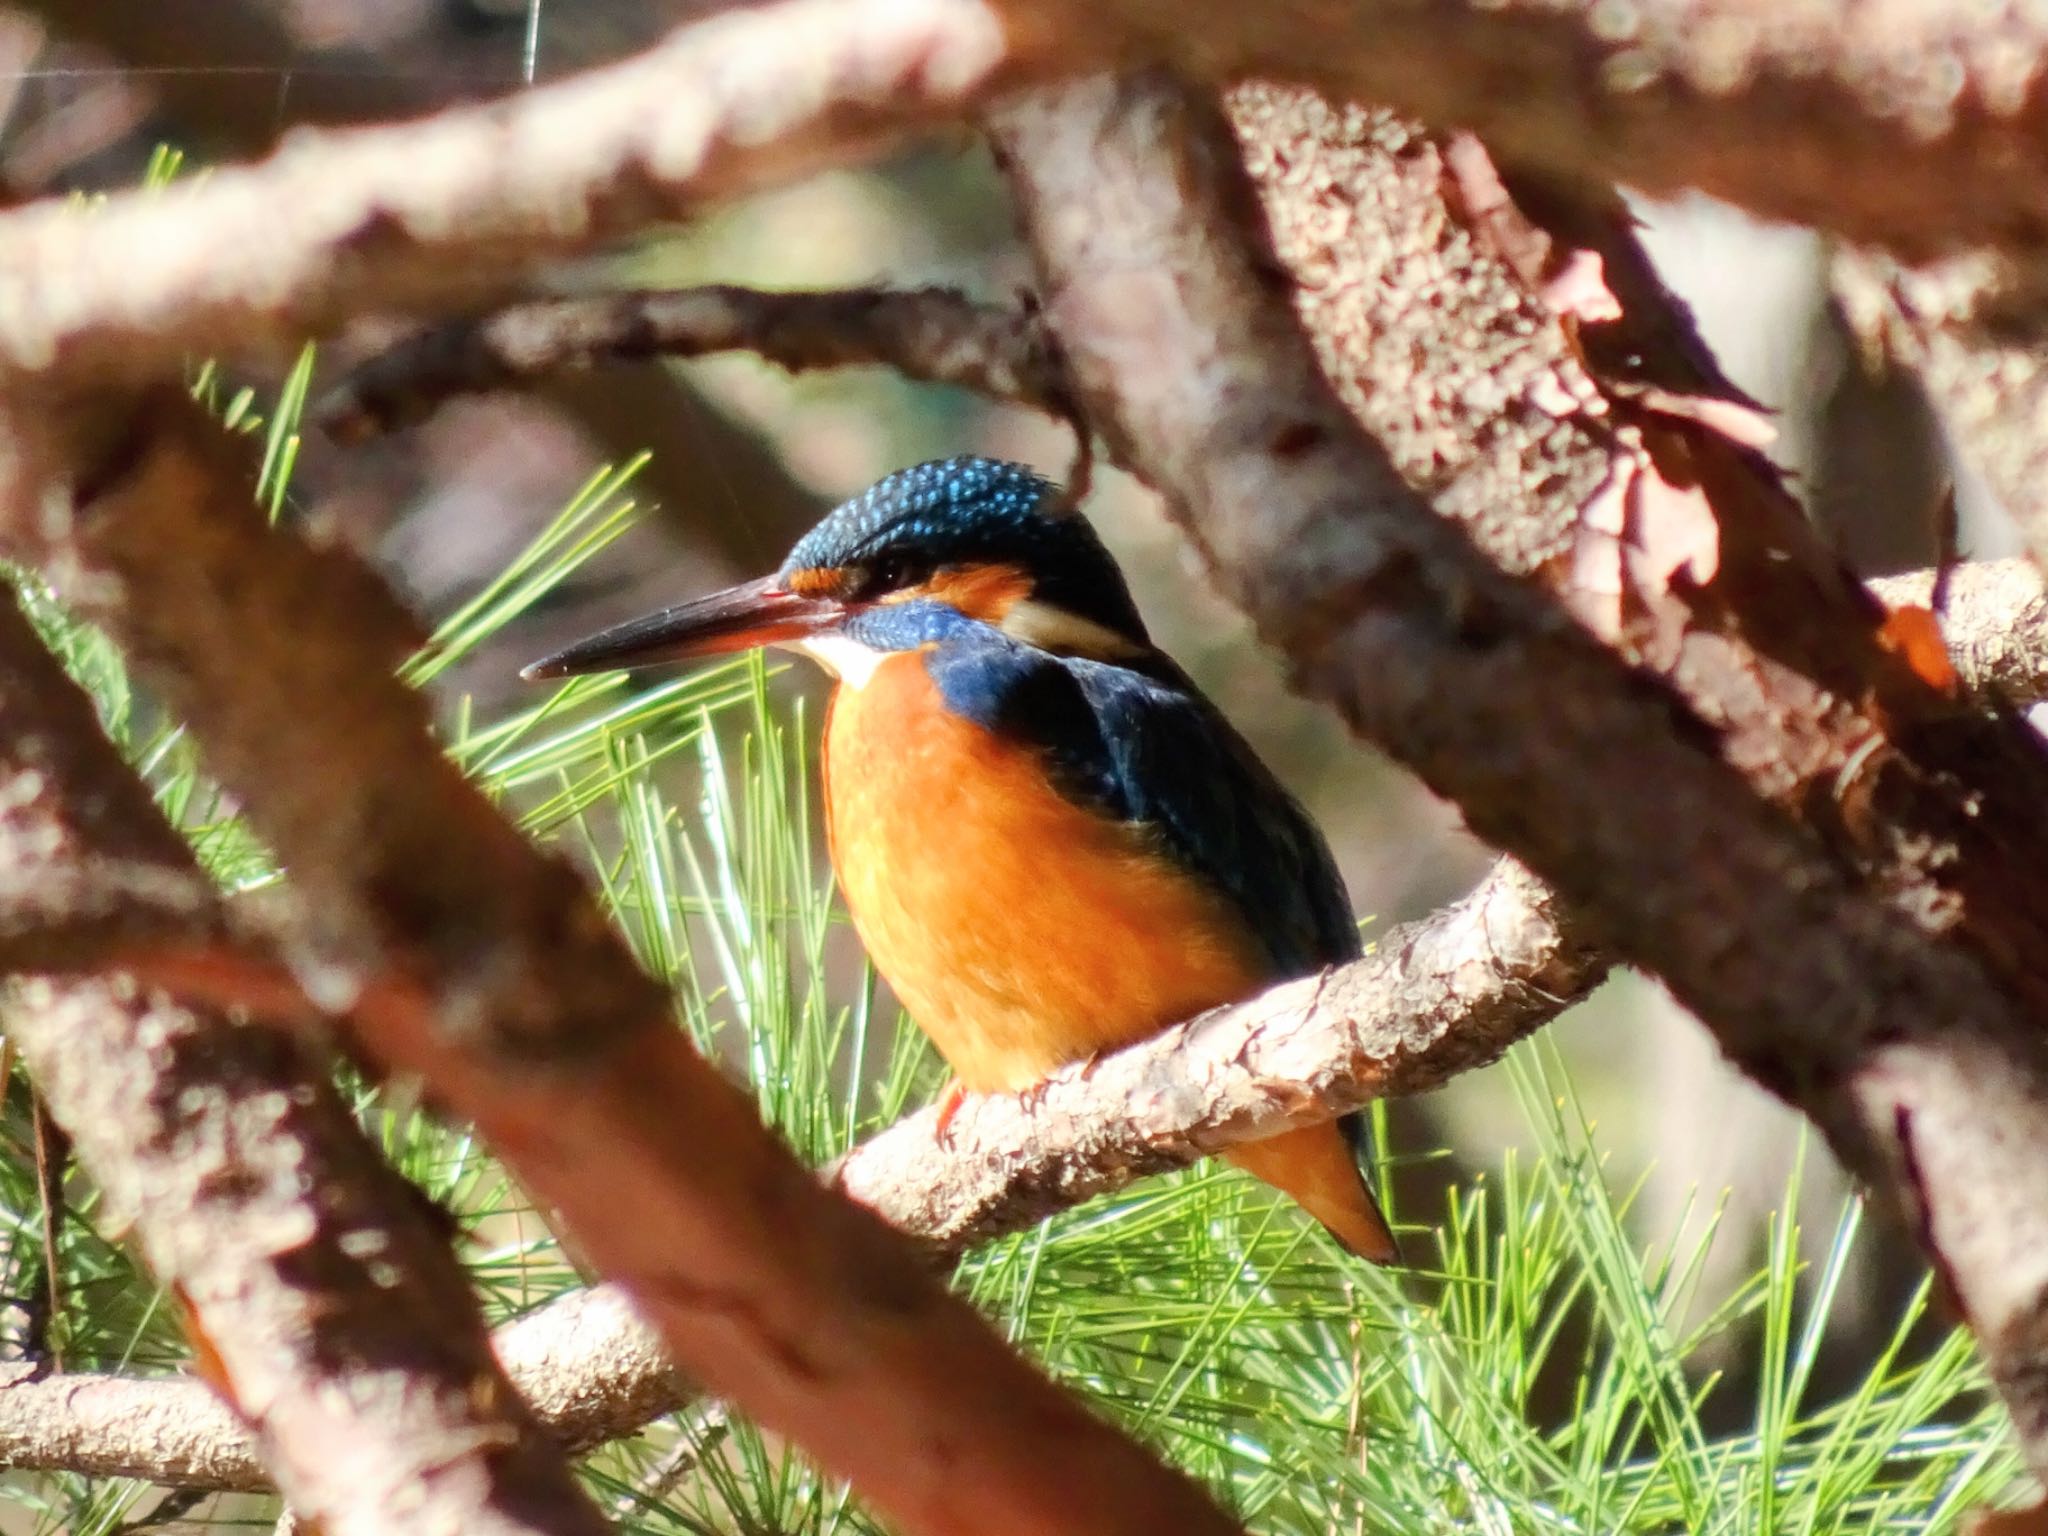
(984, 592)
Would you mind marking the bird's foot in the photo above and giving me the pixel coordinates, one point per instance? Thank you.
(1031, 1095)
(951, 1097)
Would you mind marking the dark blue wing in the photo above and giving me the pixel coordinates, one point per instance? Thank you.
(1148, 748)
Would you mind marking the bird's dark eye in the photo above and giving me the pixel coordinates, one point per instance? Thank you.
(890, 573)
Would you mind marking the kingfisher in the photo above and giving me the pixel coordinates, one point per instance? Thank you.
(1051, 843)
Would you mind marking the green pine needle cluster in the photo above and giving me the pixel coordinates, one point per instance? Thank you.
(1536, 1372)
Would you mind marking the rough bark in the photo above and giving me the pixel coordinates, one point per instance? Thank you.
(343, 1328)
(1435, 998)
(1594, 446)
(1994, 616)
(471, 960)
(586, 1366)
(1921, 1067)
(1904, 123)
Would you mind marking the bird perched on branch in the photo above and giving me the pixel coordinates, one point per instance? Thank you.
(1052, 844)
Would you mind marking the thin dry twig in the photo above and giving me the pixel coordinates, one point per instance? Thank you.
(935, 334)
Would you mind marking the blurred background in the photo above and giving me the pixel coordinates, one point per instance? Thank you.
(744, 458)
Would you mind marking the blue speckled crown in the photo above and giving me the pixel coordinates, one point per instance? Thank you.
(977, 511)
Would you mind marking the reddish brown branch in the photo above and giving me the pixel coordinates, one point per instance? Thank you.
(935, 334)
(484, 968)
(338, 1319)
(1433, 999)
(1902, 1042)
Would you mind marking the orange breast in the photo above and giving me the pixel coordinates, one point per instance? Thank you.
(1020, 930)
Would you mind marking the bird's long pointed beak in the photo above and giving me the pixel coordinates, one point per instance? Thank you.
(737, 619)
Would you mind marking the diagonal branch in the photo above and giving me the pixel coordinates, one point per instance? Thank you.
(341, 1325)
(1433, 999)
(1906, 1048)
(483, 967)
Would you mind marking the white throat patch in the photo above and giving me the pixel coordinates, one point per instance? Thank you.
(843, 656)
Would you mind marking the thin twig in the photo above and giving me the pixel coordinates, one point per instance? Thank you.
(53, 1157)
(936, 334)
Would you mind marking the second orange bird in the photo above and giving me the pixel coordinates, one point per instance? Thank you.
(1051, 843)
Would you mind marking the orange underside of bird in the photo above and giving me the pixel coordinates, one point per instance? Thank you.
(1023, 932)
(1034, 889)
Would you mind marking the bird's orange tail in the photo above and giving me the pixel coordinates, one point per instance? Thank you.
(1316, 1166)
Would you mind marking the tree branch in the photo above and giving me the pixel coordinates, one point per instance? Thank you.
(1921, 127)
(1625, 480)
(1924, 132)
(1434, 999)
(1925, 1073)
(459, 207)
(587, 1367)
(342, 1326)
(935, 334)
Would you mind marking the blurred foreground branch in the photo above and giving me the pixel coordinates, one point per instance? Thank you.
(1434, 999)
(1925, 132)
(337, 1320)
(463, 205)
(467, 957)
